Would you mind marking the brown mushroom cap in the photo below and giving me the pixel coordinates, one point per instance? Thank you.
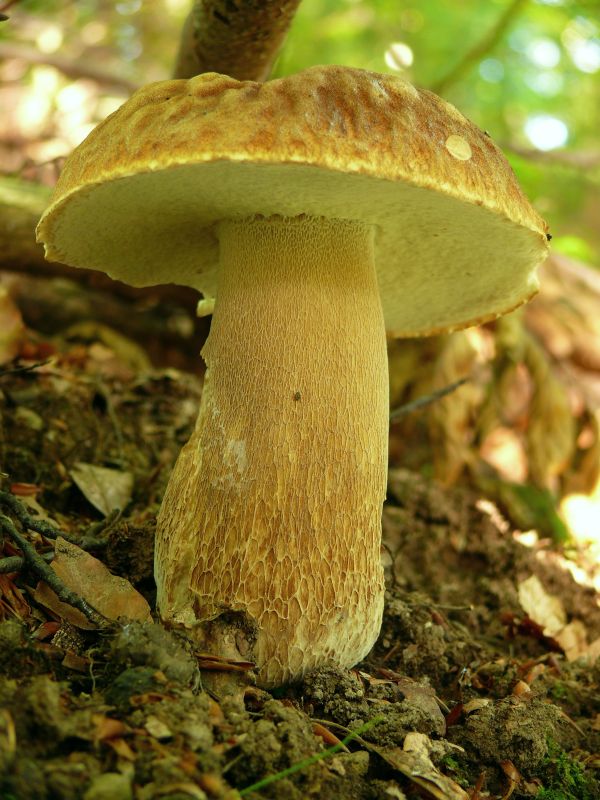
(456, 240)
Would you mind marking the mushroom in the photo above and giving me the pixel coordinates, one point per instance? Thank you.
(320, 210)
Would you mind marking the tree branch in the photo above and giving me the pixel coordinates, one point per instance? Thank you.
(240, 38)
(480, 49)
(583, 160)
(21, 205)
(45, 573)
(72, 69)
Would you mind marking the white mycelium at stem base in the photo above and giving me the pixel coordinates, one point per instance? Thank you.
(274, 506)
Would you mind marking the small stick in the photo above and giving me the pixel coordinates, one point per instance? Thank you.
(426, 400)
(44, 528)
(28, 368)
(39, 567)
(31, 523)
(103, 526)
(11, 564)
(16, 563)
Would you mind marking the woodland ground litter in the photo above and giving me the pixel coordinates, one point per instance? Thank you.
(468, 697)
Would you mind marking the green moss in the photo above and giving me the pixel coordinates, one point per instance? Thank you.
(559, 691)
(458, 771)
(565, 778)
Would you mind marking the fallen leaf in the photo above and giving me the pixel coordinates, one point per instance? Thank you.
(109, 594)
(106, 489)
(40, 513)
(122, 749)
(413, 761)
(329, 738)
(12, 329)
(8, 736)
(107, 728)
(543, 608)
(11, 599)
(24, 489)
(573, 640)
(157, 728)
(513, 775)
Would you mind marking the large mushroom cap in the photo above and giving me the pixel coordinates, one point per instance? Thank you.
(456, 240)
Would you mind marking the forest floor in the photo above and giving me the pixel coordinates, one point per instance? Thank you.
(480, 685)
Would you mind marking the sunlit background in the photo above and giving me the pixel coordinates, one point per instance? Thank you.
(528, 72)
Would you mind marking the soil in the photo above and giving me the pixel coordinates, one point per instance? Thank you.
(463, 696)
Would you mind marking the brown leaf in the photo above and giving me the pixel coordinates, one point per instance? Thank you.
(328, 737)
(122, 749)
(413, 761)
(542, 607)
(106, 489)
(12, 329)
(107, 728)
(76, 662)
(11, 599)
(111, 595)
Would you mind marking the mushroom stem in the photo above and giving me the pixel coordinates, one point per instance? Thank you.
(273, 509)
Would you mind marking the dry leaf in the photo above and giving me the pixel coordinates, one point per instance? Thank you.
(543, 608)
(547, 611)
(76, 662)
(106, 489)
(157, 728)
(107, 728)
(11, 599)
(12, 329)
(111, 595)
(40, 513)
(413, 761)
(573, 640)
(122, 749)
(329, 738)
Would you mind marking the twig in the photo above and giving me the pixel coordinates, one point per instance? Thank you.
(112, 415)
(72, 69)
(571, 159)
(240, 39)
(45, 573)
(29, 368)
(103, 525)
(40, 526)
(43, 527)
(426, 400)
(392, 556)
(8, 4)
(480, 49)
(16, 563)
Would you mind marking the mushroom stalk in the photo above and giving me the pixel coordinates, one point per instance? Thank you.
(273, 510)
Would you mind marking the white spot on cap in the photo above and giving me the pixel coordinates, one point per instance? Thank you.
(458, 147)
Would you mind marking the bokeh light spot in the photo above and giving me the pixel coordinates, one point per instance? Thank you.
(546, 132)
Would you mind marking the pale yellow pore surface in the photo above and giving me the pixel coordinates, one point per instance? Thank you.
(274, 506)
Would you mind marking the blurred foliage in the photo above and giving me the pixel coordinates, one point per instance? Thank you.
(539, 73)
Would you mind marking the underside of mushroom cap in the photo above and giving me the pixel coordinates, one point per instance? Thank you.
(456, 241)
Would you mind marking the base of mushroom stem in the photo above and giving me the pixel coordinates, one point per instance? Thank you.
(225, 650)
